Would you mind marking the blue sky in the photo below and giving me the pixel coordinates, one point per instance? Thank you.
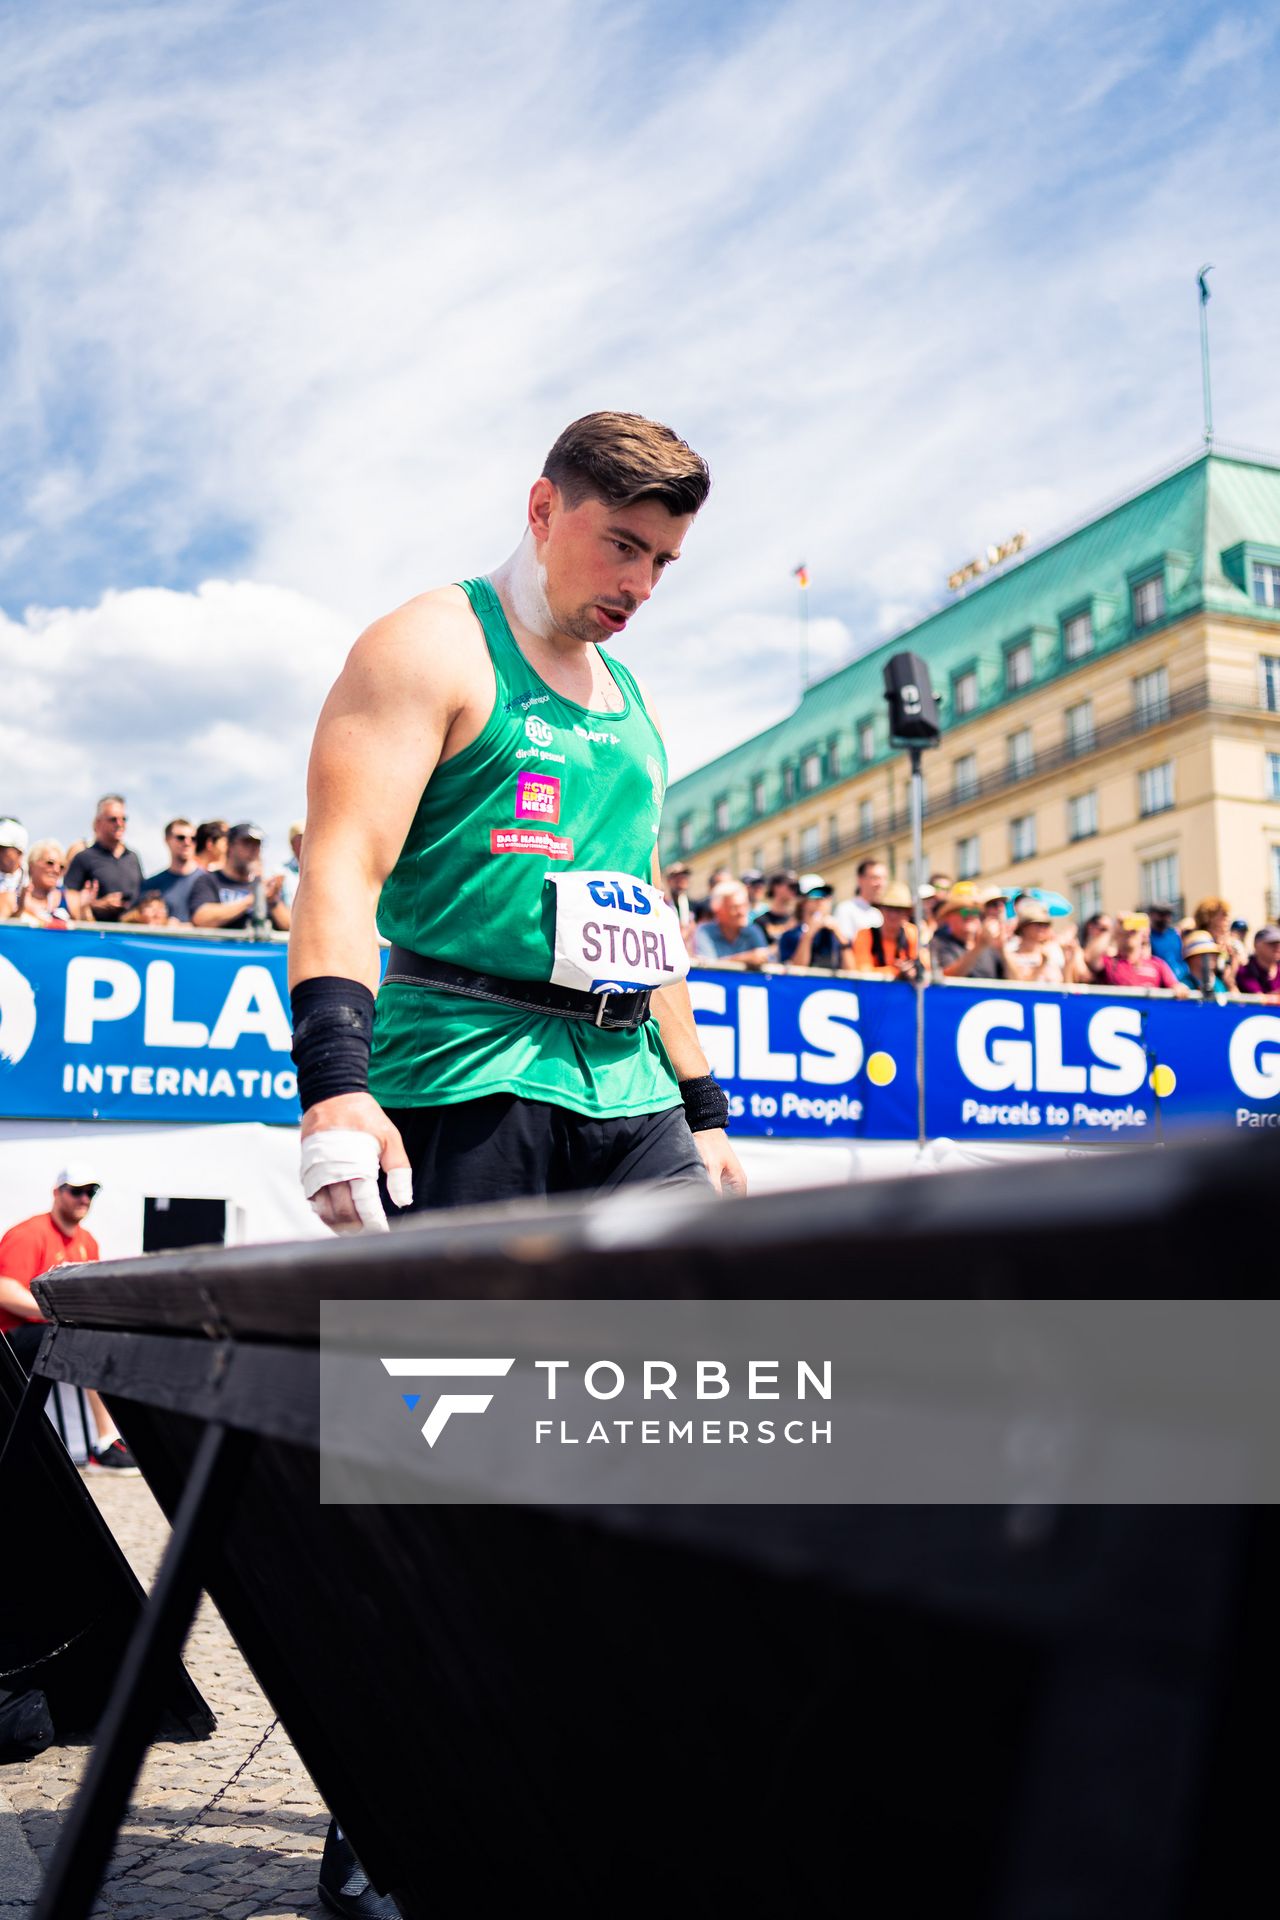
(294, 297)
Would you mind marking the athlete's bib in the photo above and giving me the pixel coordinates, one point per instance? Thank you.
(614, 934)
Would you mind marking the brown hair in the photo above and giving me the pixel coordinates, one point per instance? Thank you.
(1206, 909)
(208, 831)
(622, 458)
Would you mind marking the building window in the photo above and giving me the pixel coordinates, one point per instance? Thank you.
(1160, 881)
(833, 834)
(786, 849)
(964, 777)
(684, 835)
(1021, 753)
(1018, 667)
(1273, 776)
(1148, 601)
(1079, 724)
(788, 783)
(1273, 905)
(1082, 816)
(1088, 897)
(1022, 837)
(758, 794)
(722, 815)
(1155, 788)
(811, 771)
(833, 758)
(757, 859)
(1077, 636)
(810, 845)
(867, 741)
(967, 867)
(866, 819)
(1269, 674)
(1266, 584)
(964, 692)
(1151, 697)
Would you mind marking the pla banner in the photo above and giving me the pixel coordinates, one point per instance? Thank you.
(143, 1027)
(112, 1026)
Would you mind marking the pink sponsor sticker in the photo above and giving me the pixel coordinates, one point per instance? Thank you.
(521, 840)
(538, 798)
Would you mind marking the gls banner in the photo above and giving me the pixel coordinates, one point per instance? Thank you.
(838, 1060)
(152, 1028)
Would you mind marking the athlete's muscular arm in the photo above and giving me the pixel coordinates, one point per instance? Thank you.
(379, 738)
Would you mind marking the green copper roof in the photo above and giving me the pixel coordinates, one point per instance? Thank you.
(1194, 528)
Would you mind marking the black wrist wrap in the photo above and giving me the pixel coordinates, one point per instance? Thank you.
(332, 1033)
(705, 1104)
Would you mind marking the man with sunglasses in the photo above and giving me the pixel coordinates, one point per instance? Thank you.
(175, 882)
(105, 878)
(968, 942)
(56, 1239)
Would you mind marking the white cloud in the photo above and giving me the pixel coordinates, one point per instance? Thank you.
(201, 703)
(333, 280)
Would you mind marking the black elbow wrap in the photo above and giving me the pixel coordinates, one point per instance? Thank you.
(705, 1104)
(332, 1035)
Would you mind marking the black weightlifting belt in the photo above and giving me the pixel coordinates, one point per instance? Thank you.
(619, 1012)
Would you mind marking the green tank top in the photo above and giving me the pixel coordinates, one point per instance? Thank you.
(547, 786)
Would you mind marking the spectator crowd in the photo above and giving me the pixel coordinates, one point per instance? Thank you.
(215, 878)
(969, 931)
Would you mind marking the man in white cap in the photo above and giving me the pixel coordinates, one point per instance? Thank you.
(13, 862)
(56, 1239)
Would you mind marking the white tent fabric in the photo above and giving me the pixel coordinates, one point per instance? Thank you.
(255, 1169)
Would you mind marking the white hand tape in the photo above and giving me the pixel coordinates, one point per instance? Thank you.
(400, 1186)
(341, 1154)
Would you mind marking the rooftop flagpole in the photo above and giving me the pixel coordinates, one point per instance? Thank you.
(801, 577)
(1204, 351)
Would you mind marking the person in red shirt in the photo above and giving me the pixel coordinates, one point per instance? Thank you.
(55, 1239)
(1132, 964)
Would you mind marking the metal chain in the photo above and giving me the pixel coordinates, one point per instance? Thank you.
(44, 1658)
(136, 1866)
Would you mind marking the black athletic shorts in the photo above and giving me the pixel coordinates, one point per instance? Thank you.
(501, 1147)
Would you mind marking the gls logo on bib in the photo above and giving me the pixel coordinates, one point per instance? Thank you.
(614, 933)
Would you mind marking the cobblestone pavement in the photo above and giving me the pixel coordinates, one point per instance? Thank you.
(257, 1853)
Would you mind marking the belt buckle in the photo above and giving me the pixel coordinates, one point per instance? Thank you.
(604, 997)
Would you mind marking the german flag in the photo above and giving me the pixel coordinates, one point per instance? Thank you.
(801, 575)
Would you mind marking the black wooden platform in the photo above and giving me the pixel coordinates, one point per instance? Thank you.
(964, 1711)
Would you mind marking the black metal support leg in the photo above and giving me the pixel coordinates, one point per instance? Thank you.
(25, 1421)
(85, 1843)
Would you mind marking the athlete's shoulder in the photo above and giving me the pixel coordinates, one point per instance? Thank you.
(440, 614)
(433, 634)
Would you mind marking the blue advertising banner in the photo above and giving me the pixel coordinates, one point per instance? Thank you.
(144, 1027)
(114, 1026)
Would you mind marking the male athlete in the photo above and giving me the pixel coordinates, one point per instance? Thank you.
(490, 780)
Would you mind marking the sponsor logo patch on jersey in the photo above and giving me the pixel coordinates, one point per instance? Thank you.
(538, 731)
(602, 739)
(523, 840)
(538, 797)
(521, 702)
